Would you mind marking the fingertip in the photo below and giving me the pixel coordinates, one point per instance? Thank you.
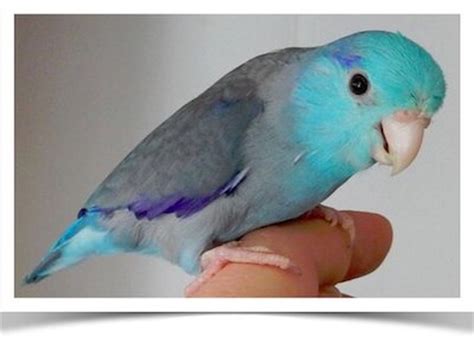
(373, 225)
(372, 243)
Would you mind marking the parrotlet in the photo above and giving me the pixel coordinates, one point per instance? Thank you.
(268, 142)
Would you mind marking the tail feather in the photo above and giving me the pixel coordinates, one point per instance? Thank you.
(83, 238)
(43, 269)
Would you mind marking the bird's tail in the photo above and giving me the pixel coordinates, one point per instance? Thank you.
(83, 238)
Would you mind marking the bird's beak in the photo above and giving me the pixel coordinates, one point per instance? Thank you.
(402, 133)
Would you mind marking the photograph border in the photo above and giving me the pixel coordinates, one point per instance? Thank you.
(11, 303)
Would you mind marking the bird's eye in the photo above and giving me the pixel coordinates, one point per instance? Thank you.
(358, 84)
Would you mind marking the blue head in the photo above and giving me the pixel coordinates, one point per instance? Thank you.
(366, 98)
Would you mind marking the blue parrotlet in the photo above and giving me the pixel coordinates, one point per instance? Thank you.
(268, 142)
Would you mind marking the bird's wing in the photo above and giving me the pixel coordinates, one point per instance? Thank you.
(189, 160)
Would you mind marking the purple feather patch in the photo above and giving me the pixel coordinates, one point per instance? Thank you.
(347, 60)
(182, 206)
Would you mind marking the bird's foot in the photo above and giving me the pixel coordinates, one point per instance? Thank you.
(214, 260)
(335, 217)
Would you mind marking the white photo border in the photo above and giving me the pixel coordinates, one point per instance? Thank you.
(10, 303)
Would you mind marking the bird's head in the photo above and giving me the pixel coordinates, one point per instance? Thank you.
(370, 96)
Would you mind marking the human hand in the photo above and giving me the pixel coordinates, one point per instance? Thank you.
(323, 253)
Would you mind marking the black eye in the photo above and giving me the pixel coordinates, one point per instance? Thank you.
(359, 84)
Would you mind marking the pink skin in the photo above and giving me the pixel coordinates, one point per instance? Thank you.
(214, 260)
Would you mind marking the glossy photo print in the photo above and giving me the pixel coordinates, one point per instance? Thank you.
(237, 156)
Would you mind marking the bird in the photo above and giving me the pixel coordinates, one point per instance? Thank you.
(266, 143)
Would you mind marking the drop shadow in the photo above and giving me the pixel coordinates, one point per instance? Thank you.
(459, 321)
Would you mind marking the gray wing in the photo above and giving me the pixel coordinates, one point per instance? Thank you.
(192, 153)
(197, 149)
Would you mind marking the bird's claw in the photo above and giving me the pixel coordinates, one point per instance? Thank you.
(335, 217)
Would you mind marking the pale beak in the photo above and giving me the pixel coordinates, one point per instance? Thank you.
(403, 134)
